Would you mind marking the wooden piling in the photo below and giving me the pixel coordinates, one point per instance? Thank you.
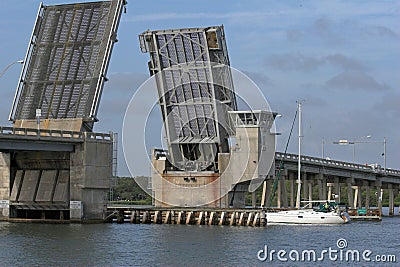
(242, 218)
(146, 218)
(222, 218)
(232, 220)
(181, 217)
(157, 217)
(133, 217)
(201, 219)
(249, 219)
(256, 221)
(167, 219)
(211, 220)
(190, 218)
(173, 219)
(120, 216)
(263, 218)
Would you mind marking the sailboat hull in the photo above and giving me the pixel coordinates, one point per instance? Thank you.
(305, 217)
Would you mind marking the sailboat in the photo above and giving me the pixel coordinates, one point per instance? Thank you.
(329, 213)
(308, 216)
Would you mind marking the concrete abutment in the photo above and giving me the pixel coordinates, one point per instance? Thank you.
(57, 185)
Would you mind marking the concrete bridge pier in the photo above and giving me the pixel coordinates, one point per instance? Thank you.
(324, 189)
(304, 180)
(350, 196)
(329, 196)
(391, 200)
(282, 183)
(337, 189)
(292, 193)
(5, 171)
(268, 185)
(379, 191)
(367, 194)
(64, 178)
(282, 193)
(357, 197)
(279, 195)
(321, 187)
(310, 192)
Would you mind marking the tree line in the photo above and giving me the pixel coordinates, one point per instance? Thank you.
(131, 190)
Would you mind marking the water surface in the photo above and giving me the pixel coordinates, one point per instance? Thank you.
(25, 244)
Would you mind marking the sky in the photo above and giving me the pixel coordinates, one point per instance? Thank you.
(341, 58)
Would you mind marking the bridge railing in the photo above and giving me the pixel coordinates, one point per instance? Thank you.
(335, 163)
(30, 132)
(99, 136)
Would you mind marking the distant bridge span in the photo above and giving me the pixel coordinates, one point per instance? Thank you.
(333, 177)
(327, 167)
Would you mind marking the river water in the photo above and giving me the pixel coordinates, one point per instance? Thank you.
(26, 244)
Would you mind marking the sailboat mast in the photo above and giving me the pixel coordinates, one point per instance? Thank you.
(299, 160)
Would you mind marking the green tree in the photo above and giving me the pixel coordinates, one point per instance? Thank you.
(127, 189)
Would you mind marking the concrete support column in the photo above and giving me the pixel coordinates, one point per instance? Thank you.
(310, 191)
(283, 191)
(320, 187)
(5, 172)
(329, 197)
(359, 197)
(350, 198)
(355, 196)
(337, 189)
(268, 192)
(291, 179)
(380, 195)
(391, 200)
(89, 180)
(264, 194)
(367, 196)
(324, 190)
(278, 195)
(305, 188)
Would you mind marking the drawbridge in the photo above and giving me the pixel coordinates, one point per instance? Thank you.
(202, 165)
(52, 165)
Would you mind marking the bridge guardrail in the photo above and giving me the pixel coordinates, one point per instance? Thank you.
(99, 136)
(30, 132)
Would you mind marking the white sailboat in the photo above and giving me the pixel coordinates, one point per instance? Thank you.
(307, 216)
(328, 215)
